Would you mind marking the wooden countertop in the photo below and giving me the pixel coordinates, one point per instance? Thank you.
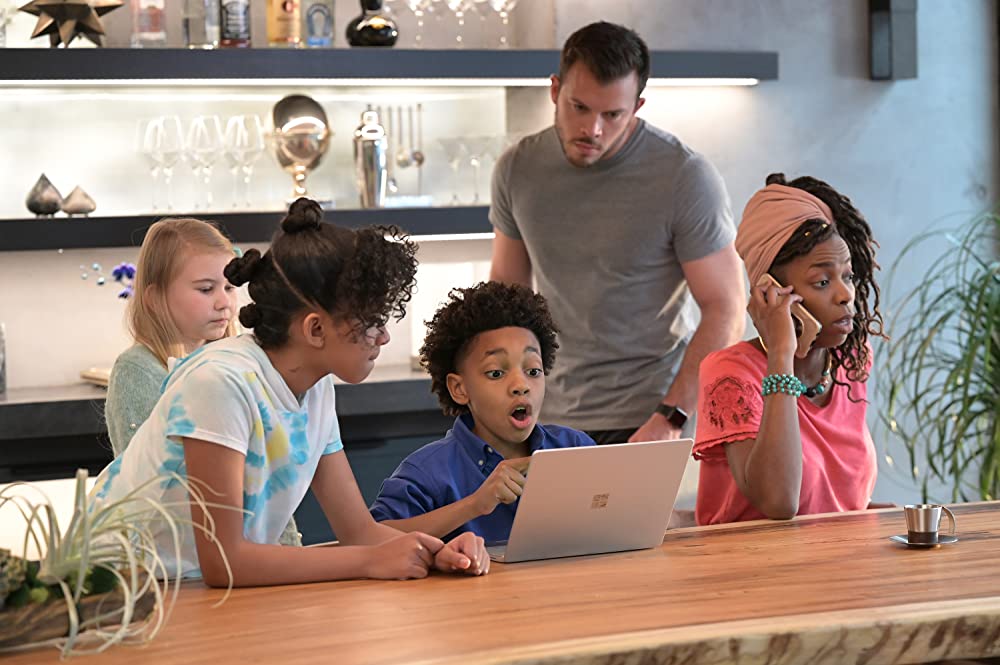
(820, 589)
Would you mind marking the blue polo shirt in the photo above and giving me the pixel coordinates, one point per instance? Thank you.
(445, 471)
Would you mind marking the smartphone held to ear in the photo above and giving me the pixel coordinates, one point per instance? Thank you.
(808, 327)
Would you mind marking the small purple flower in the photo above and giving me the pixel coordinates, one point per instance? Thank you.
(126, 293)
(123, 270)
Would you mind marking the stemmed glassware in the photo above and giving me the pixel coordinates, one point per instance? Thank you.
(504, 8)
(419, 7)
(243, 144)
(160, 141)
(478, 148)
(204, 143)
(145, 145)
(459, 7)
(455, 153)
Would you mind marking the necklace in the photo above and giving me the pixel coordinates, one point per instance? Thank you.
(820, 386)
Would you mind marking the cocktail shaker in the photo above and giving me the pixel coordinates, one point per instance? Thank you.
(371, 149)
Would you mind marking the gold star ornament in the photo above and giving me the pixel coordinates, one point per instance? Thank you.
(65, 20)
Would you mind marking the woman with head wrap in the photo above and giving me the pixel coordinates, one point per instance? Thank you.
(781, 435)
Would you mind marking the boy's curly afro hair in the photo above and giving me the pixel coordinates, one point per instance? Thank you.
(468, 312)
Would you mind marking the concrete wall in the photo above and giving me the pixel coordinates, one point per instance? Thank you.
(911, 154)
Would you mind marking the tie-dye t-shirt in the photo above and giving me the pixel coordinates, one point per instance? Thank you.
(229, 393)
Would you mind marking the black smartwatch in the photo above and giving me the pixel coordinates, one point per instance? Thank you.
(674, 414)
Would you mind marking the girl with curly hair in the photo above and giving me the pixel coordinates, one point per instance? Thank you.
(251, 419)
(781, 435)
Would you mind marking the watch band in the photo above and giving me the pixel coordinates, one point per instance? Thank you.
(674, 414)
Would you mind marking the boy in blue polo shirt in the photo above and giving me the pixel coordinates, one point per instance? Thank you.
(487, 350)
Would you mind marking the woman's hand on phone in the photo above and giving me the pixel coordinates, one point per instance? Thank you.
(770, 309)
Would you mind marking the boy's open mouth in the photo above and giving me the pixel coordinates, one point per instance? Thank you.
(521, 414)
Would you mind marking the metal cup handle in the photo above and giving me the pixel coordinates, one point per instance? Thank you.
(951, 519)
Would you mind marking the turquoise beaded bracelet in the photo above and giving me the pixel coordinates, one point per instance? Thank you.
(782, 383)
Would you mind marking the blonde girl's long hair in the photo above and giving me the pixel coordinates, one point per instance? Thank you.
(166, 245)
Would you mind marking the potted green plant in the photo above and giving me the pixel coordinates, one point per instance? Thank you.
(942, 375)
(96, 584)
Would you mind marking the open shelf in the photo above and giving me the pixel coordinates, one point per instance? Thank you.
(43, 233)
(372, 65)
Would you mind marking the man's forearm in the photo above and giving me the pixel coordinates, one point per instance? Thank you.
(716, 331)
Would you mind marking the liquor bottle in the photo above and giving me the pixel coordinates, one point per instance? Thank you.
(317, 25)
(201, 23)
(284, 23)
(148, 23)
(234, 24)
(372, 28)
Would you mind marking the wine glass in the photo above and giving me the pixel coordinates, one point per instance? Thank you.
(504, 8)
(499, 144)
(478, 148)
(455, 153)
(418, 7)
(243, 144)
(145, 132)
(458, 8)
(162, 144)
(204, 143)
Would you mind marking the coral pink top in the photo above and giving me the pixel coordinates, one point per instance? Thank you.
(838, 456)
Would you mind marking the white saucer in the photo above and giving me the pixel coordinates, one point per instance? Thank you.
(942, 540)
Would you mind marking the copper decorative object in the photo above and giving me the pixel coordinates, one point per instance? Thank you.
(44, 199)
(65, 20)
(78, 203)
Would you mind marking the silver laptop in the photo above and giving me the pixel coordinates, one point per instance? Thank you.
(595, 499)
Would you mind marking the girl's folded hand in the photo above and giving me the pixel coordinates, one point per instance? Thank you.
(405, 557)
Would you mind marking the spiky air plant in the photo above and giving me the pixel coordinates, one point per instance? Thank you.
(13, 570)
(103, 571)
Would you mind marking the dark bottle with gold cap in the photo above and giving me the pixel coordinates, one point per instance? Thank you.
(373, 27)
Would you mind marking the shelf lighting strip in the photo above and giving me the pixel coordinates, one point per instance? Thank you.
(438, 237)
(354, 82)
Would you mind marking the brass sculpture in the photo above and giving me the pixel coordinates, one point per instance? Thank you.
(65, 20)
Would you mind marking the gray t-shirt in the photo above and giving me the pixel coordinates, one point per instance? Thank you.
(606, 245)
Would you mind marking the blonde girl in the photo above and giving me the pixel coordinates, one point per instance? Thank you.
(181, 300)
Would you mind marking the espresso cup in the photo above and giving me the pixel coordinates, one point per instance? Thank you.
(923, 522)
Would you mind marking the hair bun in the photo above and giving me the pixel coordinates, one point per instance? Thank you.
(251, 316)
(241, 270)
(302, 215)
(775, 179)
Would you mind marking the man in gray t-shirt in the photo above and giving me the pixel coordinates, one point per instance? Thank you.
(628, 233)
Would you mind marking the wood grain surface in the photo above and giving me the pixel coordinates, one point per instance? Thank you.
(820, 589)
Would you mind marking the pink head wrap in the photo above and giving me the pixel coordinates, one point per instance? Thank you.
(771, 217)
